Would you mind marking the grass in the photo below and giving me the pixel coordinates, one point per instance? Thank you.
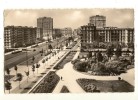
(107, 86)
(67, 59)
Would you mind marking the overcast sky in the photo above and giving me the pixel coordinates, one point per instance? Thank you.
(70, 17)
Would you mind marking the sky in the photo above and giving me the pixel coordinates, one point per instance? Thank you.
(73, 18)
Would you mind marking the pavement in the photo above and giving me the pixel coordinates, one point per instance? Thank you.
(69, 77)
(33, 78)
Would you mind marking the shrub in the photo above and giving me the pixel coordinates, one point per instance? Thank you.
(75, 61)
(99, 69)
(115, 67)
(81, 66)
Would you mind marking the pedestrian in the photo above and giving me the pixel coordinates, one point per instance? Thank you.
(119, 78)
(61, 77)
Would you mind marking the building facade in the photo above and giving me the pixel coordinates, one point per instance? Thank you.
(114, 34)
(99, 21)
(90, 34)
(18, 36)
(67, 32)
(45, 27)
(57, 33)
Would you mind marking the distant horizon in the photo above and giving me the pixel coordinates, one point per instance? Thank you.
(74, 18)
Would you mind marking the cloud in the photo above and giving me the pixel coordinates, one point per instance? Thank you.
(70, 17)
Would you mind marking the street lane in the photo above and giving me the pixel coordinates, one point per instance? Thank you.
(14, 59)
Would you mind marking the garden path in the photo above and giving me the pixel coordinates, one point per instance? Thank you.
(70, 76)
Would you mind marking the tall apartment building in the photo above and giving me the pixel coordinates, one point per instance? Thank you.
(45, 27)
(99, 21)
(101, 33)
(67, 32)
(89, 34)
(17, 36)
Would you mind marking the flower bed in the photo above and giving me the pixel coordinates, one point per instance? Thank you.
(48, 84)
(64, 90)
(91, 85)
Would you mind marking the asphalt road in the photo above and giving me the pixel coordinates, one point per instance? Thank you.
(13, 59)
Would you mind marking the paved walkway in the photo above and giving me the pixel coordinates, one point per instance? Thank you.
(70, 76)
(32, 77)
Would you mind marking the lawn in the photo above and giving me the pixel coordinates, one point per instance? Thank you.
(106, 85)
(67, 59)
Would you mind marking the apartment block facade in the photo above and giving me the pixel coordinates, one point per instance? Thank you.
(114, 34)
(18, 36)
(67, 32)
(90, 34)
(45, 27)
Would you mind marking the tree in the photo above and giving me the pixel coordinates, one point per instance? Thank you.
(8, 72)
(89, 54)
(43, 61)
(98, 68)
(19, 78)
(118, 52)
(95, 44)
(33, 68)
(132, 58)
(50, 47)
(27, 74)
(33, 58)
(37, 66)
(81, 66)
(66, 44)
(15, 68)
(109, 52)
(99, 57)
(8, 85)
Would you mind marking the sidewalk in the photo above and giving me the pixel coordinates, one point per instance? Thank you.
(68, 79)
(44, 68)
